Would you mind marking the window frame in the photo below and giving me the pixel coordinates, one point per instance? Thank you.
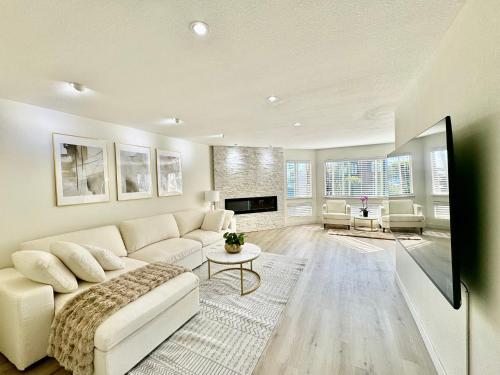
(432, 173)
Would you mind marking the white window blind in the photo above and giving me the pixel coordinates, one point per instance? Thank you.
(354, 178)
(441, 210)
(299, 209)
(399, 175)
(439, 168)
(298, 174)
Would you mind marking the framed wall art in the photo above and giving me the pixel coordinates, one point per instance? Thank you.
(168, 165)
(133, 172)
(81, 169)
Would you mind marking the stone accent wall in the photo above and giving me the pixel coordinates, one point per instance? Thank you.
(241, 172)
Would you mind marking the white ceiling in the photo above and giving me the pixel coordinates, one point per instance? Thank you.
(339, 66)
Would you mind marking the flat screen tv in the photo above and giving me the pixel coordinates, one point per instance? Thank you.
(429, 161)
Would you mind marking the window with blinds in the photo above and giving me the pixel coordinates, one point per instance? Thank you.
(439, 168)
(354, 178)
(399, 175)
(302, 209)
(298, 177)
(441, 210)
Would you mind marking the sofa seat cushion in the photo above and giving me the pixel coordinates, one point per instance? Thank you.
(336, 216)
(130, 264)
(136, 314)
(206, 237)
(169, 251)
(403, 217)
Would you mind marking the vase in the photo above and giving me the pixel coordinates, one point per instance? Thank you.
(232, 249)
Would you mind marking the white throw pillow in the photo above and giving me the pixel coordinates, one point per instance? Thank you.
(106, 258)
(79, 261)
(213, 220)
(45, 268)
(228, 215)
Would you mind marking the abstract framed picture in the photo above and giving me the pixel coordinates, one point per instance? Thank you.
(133, 172)
(81, 169)
(168, 165)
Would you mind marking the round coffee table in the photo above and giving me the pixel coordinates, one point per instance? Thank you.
(249, 252)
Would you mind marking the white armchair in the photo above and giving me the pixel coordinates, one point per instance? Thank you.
(336, 212)
(401, 213)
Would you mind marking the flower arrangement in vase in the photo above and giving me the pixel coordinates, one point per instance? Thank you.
(364, 203)
(234, 241)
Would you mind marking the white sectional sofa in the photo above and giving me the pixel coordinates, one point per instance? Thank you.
(27, 308)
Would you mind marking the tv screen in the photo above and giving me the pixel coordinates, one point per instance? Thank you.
(427, 163)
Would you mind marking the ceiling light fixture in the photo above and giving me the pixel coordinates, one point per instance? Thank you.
(171, 121)
(297, 124)
(272, 99)
(77, 86)
(220, 135)
(200, 28)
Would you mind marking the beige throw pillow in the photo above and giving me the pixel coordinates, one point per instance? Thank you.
(106, 258)
(45, 268)
(228, 215)
(79, 261)
(213, 220)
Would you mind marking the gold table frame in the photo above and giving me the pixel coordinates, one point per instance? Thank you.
(241, 269)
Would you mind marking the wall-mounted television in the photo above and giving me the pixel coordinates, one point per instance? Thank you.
(432, 167)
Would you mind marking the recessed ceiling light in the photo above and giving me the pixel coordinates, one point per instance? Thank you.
(272, 99)
(297, 124)
(171, 121)
(77, 86)
(200, 28)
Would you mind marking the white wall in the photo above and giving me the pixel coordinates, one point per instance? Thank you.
(463, 80)
(27, 192)
(303, 155)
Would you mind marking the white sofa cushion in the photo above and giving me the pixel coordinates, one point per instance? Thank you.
(189, 220)
(169, 251)
(393, 218)
(45, 268)
(337, 216)
(206, 237)
(78, 260)
(139, 233)
(107, 260)
(107, 237)
(228, 215)
(213, 220)
(335, 206)
(401, 206)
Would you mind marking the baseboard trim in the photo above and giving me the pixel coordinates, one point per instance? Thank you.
(427, 340)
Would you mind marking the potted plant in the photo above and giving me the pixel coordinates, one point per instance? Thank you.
(234, 241)
(364, 202)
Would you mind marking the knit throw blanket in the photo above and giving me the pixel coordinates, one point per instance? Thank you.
(71, 339)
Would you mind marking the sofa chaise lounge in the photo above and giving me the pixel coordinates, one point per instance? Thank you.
(121, 341)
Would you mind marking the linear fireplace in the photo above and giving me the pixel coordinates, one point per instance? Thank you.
(252, 205)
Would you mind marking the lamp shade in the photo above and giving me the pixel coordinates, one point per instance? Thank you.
(212, 196)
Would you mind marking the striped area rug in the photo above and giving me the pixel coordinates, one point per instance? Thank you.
(230, 333)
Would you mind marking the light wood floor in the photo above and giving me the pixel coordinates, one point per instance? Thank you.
(346, 315)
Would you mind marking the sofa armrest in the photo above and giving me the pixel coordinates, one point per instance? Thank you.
(324, 209)
(383, 211)
(417, 209)
(348, 209)
(27, 311)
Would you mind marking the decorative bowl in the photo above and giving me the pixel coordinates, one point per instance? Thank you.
(232, 249)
